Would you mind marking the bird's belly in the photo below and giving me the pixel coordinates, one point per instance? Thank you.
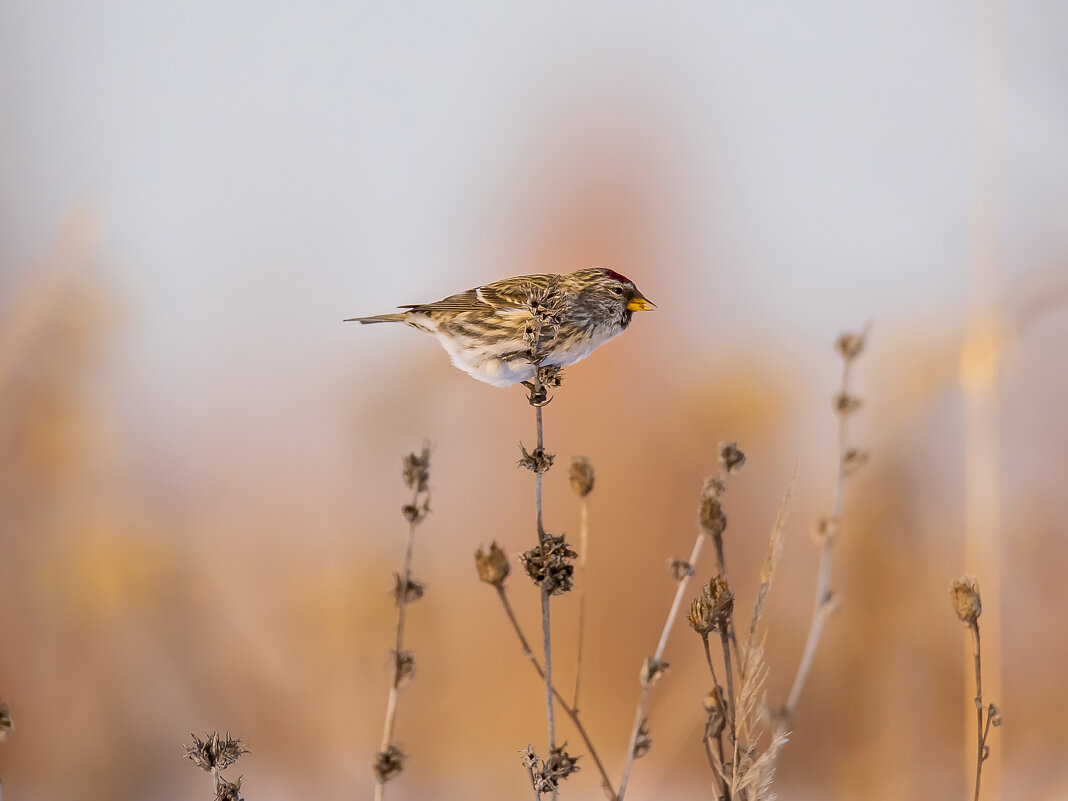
(500, 365)
(505, 363)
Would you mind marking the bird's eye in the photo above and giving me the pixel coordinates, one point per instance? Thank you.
(618, 290)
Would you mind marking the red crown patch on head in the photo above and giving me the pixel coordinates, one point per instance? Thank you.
(613, 274)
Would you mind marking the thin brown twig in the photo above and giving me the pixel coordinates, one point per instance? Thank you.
(731, 459)
(657, 660)
(415, 512)
(968, 605)
(824, 603)
(570, 711)
(980, 733)
(546, 626)
(722, 791)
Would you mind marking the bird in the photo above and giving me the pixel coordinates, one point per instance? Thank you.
(483, 329)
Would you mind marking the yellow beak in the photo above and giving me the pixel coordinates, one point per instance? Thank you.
(639, 303)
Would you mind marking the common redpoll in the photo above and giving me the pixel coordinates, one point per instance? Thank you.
(486, 330)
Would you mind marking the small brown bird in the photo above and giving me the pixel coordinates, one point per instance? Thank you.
(483, 329)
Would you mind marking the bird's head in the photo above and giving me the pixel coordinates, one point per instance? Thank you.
(613, 295)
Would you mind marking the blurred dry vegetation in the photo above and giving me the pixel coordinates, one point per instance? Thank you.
(127, 625)
(200, 518)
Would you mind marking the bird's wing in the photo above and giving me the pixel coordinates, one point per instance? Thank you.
(501, 297)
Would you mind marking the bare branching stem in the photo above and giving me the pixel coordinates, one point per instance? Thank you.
(402, 615)
(570, 711)
(722, 791)
(824, 601)
(416, 475)
(546, 626)
(726, 642)
(981, 731)
(968, 605)
(643, 700)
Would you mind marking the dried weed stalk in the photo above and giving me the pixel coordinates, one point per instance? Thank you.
(549, 562)
(743, 766)
(493, 568)
(215, 754)
(845, 404)
(389, 761)
(711, 525)
(968, 606)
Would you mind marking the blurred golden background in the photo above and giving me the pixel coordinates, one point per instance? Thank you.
(200, 464)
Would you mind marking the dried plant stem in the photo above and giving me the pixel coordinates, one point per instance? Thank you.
(722, 791)
(389, 762)
(725, 640)
(584, 531)
(402, 608)
(570, 711)
(824, 602)
(643, 700)
(981, 732)
(546, 627)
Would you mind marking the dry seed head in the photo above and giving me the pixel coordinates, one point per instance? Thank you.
(716, 710)
(966, 601)
(700, 617)
(546, 306)
(492, 567)
(403, 668)
(560, 763)
(388, 764)
(824, 532)
(407, 591)
(580, 472)
(228, 791)
(416, 512)
(643, 742)
(845, 404)
(214, 752)
(730, 458)
(546, 775)
(852, 460)
(710, 513)
(721, 600)
(549, 564)
(994, 714)
(680, 568)
(551, 375)
(537, 461)
(652, 671)
(849, 345)
(714, 700)
(417, 469)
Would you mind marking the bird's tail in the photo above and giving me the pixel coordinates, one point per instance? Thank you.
(378, 318)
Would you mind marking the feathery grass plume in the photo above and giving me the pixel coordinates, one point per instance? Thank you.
(845, 404)
(969, 606)
(711, 523)
(735, 732)
(215, 754)
(492, 567)
(771, 561)
(389, 761)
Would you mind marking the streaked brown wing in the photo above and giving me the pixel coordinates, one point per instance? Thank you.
(502, 297)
